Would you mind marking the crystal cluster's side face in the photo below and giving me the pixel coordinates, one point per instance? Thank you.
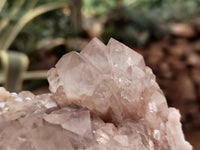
(104, 98)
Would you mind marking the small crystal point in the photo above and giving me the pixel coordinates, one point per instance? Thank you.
(97, 54)
(122, 55)
(79, 76)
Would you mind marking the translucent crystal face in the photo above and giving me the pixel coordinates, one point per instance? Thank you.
(104, 98)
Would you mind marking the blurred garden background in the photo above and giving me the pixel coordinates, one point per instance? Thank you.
(34, 34)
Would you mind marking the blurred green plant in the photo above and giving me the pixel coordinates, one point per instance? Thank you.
(135, 22)
(13, 17)
(52, 25)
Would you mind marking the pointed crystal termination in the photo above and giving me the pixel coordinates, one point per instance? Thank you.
(114, 83)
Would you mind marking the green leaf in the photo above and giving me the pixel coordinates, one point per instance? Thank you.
(32, 4)
(6, 20)
(2, 2)
(49, 43)
(28, 17)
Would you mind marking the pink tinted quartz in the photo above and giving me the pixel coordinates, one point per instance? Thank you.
(104, 98)
(114, 83)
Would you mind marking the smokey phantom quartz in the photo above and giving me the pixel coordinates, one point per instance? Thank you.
(103, 98)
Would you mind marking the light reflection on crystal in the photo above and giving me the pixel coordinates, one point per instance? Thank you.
(122, 139)
(13, 94)
(2, 104)
(152, 107)
(156, 134)
(35, 112)
(18, 99)
(129, 61)
(28, 99)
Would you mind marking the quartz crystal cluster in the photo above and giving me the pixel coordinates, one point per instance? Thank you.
(103, 98)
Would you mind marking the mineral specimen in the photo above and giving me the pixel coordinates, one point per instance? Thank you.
(104, 98)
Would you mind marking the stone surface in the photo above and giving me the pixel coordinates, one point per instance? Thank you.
(104, 98)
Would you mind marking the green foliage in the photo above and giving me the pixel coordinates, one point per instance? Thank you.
(10, 31)
(136, 22)
(52, 24)
(97, 7)
(166, 10)
(14, 16)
